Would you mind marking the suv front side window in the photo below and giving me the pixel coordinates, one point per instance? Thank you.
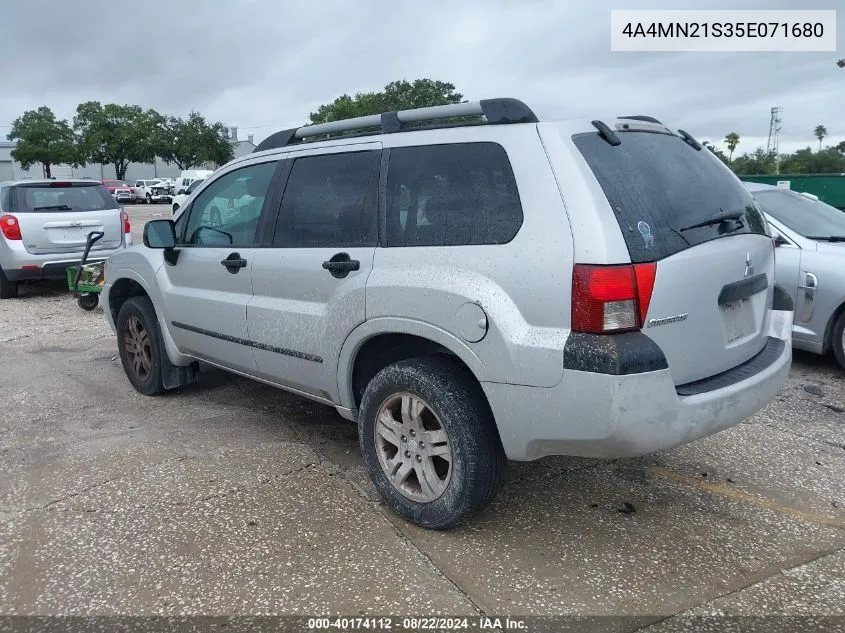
(226, 212)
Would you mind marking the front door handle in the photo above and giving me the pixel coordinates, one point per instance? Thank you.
(234, 263)
(341, 264)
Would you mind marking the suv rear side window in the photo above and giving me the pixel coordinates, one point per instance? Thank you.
(449, 195)
(658, 185)
(58, 197)
(330, 201)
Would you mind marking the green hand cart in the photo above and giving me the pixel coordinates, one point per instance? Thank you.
(86, 280)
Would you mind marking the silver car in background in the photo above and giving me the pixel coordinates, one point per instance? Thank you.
(809, 264)
(44, 225)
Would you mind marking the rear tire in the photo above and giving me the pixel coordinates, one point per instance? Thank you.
(140, 345)
(839, 340)
(8, 289)
(415, 414)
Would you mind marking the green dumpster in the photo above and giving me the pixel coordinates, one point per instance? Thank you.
(830, 188)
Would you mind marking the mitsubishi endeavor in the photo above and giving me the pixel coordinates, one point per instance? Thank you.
(469, 285)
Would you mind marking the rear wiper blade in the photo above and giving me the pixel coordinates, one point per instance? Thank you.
(54, 207)
(827, 238)
(724, 216)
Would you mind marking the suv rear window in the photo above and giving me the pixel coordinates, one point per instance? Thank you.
(658, 185)
(58, 197)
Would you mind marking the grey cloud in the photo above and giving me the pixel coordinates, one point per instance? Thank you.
(264, 64)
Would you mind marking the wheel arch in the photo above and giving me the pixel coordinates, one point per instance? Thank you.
(130, 283)
(827, 344)
(380, 342)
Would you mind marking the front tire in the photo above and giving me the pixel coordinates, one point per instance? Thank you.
(429, 442)
(140, 345)
(839, 340)
(8, 289)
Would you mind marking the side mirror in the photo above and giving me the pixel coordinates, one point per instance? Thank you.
(160, 234)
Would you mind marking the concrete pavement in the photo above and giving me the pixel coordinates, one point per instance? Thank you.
(231, 497)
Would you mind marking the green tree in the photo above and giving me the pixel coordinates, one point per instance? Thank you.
(716, 151)
(805, 161)
(731, 141)
(820, 132)
(397, 95)
(41, 138)
(118, 135)
(193, 142)
(758, 162)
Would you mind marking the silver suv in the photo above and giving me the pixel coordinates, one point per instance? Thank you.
(44, 225)
(469, 292)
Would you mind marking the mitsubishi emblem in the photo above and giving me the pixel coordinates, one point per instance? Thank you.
(749, 267)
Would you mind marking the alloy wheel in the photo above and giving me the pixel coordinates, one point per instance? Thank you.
(136, 341)
(413, 447)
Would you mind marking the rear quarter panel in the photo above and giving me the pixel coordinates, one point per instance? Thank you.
(597, 239)
(523, 287)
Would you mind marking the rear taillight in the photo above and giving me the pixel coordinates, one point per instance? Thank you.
(611, 299)
(127, 228)
(11, 227)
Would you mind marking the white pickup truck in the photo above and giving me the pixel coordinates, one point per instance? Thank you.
(152, 191)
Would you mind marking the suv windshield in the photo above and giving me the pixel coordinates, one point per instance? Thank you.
(807, 217)
(77, 196)
(665, 194)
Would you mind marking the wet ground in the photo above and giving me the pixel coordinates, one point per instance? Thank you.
(231, 497)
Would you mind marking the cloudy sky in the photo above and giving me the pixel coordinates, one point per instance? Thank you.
(263, 65)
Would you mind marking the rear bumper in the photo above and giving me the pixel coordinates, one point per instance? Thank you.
(612, 415)
(50, 270)
(27, 267)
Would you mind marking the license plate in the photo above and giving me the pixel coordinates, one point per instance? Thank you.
(739, 319)
(75, 234)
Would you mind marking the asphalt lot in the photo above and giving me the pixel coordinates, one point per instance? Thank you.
(231, 497)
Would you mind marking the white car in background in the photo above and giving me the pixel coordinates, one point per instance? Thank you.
(222, 208)
(179, 200)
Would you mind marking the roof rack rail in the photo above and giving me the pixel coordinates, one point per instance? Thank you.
(642, 117)
(496, 111)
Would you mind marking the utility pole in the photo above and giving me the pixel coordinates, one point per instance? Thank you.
(774, 134)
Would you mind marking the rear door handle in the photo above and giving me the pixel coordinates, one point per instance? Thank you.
(341, 264)
(234, 263)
